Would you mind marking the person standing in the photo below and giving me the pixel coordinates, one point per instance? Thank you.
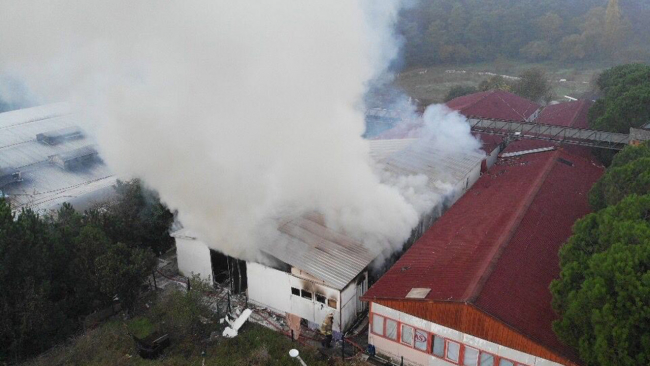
(326, 330)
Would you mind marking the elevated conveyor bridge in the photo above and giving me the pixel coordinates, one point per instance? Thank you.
(559, 134)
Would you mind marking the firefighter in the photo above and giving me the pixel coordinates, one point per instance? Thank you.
(326, 330)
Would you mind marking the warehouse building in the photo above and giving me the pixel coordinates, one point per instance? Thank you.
(316, 270)
(46, 159)
(474, 289)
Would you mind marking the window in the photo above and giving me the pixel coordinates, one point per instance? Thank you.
(407, 334)
(378, 324)
(471, 356)
(486, 359)
(504, 362)
(331, 303)
(295, 291)
(306, 294)
(453, 351)
(320, 298)
(391, 329)
(438, 346)
(421, 338)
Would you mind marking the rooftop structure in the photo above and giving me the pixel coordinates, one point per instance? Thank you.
(52, 159)
(495, 250)
(495, 104)
(569, 114)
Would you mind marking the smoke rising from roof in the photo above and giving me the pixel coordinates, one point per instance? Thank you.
(237, 112)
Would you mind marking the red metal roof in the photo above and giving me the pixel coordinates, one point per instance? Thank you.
(497, 246)
(494, 104)
(571, 114)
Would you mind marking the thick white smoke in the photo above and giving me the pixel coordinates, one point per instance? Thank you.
(236, 112)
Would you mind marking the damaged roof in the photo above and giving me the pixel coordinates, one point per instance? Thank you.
(307, 244)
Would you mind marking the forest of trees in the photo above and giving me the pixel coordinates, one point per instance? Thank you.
(56, 269)
(462, 31)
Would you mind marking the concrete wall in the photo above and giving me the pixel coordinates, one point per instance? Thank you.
(193, 258)
(396, 350)
(271, 288)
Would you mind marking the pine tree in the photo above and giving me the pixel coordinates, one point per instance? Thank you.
(613, 26)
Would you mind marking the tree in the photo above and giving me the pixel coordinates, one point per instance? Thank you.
(613, 26)
(629, 173)
(496, 82)
(627, 99)
(601, 295)
(459, 91)
(533, 85)
(537, 51)
(122, 271)
(136, 218)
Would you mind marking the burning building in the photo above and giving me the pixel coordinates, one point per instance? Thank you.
(312, 270)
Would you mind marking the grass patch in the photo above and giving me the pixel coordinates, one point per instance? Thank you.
(433, 83)
(141, 327)
(189, 323)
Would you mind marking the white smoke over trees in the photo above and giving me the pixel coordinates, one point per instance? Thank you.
(237, 112)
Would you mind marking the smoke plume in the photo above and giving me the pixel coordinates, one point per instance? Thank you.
(237, 112)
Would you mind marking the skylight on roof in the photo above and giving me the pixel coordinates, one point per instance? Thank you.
(418, 293)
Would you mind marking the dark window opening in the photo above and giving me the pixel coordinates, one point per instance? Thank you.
(306, 294)
(320, 298)
(228, 272)
(295, 291)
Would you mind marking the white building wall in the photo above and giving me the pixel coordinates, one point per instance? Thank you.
(268, 286)
(396, 350)
(464, 184)
(193, 258)
(492, 158)
(271, 288)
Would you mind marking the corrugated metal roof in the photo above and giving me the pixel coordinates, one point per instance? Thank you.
(496, 248)
(307, 244)
(45, 186)
(571, 114)
(494, 104)
(415, 157)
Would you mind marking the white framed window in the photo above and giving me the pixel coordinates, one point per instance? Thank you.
(486, 359)
(407, 334)
(421, 340)
(391, 329)
(452, 352)
(438, 346)
(378, 324)
(470, 356)
(504, 362)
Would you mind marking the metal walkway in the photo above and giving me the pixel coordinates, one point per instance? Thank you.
(538, 131)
